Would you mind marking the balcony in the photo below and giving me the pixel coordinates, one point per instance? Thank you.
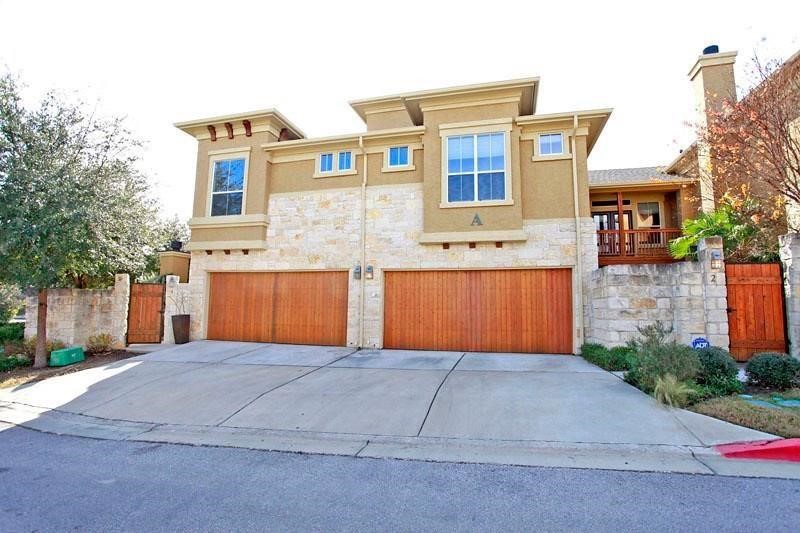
(640, 246)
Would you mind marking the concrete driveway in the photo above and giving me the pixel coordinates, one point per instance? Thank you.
(444, 395)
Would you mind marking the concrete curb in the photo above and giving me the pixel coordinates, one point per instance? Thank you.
(632, 457)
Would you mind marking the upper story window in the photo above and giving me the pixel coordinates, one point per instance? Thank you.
(345, 160)
(335, 163)
(398, 156)
(326, 163)
(551, 144)
(227, 190)
(476, 167)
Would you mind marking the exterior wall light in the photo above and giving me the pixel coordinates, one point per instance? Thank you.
(370, 273)
(357, 271)
(716, 259)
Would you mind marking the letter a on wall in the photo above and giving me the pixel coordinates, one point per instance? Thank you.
(476, 220)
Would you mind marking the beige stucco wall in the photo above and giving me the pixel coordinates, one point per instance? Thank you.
(174, 263)
(299, 238)
(294, 176)
(255, 181)
(436, 219)
(388, 120)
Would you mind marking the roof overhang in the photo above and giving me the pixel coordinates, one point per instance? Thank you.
(529, 88)
(597, 119)
(653, 185)
(198, 128)
(348, 138)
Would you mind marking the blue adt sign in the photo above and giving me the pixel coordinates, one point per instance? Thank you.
(699, 343)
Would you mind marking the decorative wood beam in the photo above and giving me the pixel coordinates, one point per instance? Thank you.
(213, 132)
(229, 128)
(248, 131)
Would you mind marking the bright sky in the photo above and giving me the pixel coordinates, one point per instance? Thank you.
(161, 62)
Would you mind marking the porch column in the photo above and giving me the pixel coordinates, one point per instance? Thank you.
(620, 225)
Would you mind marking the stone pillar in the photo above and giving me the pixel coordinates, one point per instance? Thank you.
(177, 302)
(790, 257)
(715, 291)
(119, 309)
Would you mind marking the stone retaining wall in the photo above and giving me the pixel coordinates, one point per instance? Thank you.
(691, 297)
(74, 315)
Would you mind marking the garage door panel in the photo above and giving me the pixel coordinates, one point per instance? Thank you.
(479, 310)
(281, 307)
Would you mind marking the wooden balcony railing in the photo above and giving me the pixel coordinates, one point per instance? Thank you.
(640, 245)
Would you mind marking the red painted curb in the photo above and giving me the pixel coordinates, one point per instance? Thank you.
(772, 450)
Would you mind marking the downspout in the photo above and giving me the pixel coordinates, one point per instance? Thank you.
(363, 240)
(578, 240)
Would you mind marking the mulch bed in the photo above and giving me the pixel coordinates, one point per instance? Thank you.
(27, 374)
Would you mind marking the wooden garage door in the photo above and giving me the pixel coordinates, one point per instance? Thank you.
(282, 307)
(479, 310)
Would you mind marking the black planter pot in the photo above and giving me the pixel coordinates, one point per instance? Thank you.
(180, 328)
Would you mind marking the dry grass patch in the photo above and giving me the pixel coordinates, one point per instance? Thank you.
(784, 422)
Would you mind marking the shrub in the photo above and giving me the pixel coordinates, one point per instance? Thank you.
(595, 353)
(658, 360)
(655, 334)
(13, 361)
(670, 391)
(717, 387)
(773, 370)
(27, 347)
(99, 343)
(716, 364)
(622, 358)
(11, 332)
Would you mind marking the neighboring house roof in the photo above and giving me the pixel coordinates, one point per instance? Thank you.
(632, 176)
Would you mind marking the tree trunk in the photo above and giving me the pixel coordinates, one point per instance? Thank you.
(40, 360)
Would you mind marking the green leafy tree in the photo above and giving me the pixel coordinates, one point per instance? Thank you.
(10, 302)
(73, 207)
(737, 222)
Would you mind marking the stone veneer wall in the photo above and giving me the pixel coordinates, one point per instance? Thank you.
(790, 256)
(320, 230)
(74, 315)
(177, 301)
(688, 296)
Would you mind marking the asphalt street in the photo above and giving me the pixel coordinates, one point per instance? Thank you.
(60, 483)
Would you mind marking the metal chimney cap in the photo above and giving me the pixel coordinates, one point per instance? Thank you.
(711, 49)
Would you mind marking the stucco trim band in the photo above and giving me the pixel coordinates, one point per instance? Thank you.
(474, 236)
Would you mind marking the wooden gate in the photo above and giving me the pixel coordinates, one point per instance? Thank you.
(146, 313)
(755, 309)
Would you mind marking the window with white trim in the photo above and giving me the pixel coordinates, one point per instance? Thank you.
(227, 187)
(476, 167)
(551, 144)
(398, 156)
(326, 163)
(345, 161)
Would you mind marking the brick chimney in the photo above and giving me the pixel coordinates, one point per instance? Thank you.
(713, 81)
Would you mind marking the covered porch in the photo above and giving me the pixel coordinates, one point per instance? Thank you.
(650, 218)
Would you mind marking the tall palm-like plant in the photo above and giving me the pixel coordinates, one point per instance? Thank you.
(734, 221)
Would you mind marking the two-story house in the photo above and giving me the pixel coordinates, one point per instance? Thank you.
(459, 220)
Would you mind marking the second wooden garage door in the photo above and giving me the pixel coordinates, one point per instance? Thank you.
(479, 310)
(281, 307)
